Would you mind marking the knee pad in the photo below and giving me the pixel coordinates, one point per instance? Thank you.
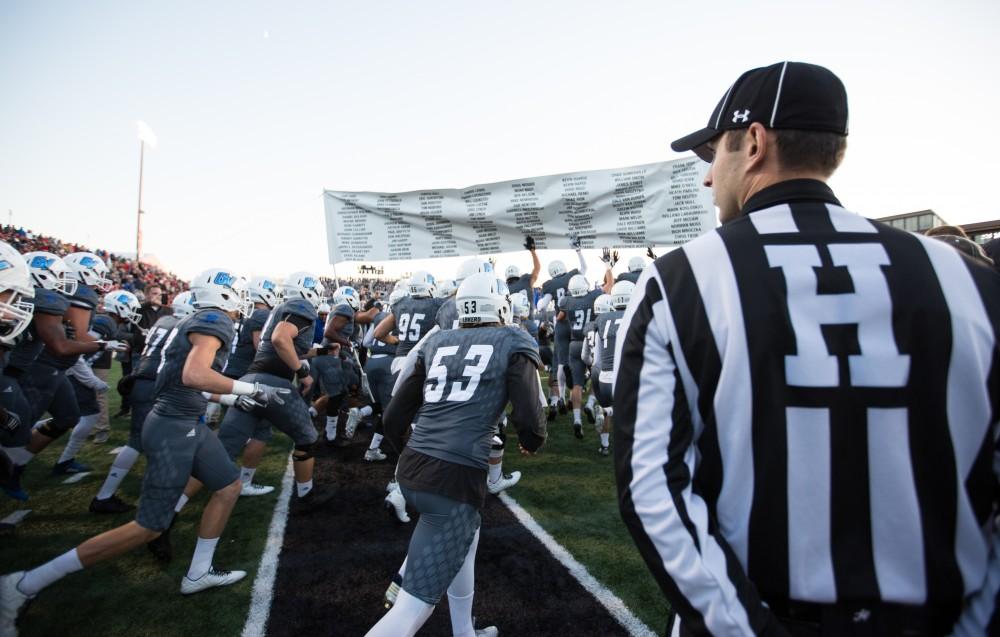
(302, 453)
(54, 429)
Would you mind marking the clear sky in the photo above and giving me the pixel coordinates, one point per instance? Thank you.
(260, 105)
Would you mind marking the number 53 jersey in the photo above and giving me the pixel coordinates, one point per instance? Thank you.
(465, 391)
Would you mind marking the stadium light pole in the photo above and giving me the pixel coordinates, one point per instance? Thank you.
(146, 135)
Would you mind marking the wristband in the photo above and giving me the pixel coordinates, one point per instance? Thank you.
(241, 388)
(302, 371)
(228, 399)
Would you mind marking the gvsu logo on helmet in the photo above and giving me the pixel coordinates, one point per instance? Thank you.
(224, 279)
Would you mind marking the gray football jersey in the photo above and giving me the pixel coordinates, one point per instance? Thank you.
(629, 276)
(523, 284)
(30, 345)
(243, 351)
(465, 391)
(378, 347)
(172, 398)
(447, 316)
(579, 311)
(267, 360)
(607, 332)
(85, 298)
(155, 340)
(556, 287)
(414, 318)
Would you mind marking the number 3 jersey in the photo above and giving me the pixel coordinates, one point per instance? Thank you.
(414, 318)
(465, 391)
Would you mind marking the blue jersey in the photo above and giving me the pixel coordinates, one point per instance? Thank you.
(85, 298)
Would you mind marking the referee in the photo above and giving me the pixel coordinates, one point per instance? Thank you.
(806, 400)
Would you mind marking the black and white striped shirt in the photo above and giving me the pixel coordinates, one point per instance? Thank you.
(806, 409)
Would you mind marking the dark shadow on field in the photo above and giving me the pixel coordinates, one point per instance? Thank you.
(336, 564)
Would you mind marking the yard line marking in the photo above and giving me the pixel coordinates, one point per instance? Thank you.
(76, 477)
(15, 518)
(263, 585)
(614, 605)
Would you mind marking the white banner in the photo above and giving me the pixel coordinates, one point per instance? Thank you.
(649, 205)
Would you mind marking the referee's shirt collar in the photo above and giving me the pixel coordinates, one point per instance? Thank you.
(789, 191)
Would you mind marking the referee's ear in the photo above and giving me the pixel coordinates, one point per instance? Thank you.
(758, 148)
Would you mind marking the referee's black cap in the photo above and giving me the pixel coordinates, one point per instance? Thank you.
(791, 95)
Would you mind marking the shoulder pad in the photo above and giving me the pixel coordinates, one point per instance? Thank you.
(524, 344)
(86, 297)
(344, 310)
(50, 302)
(300, 307)
(211, 322)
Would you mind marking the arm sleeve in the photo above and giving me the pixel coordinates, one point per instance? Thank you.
(583, 263)
(403, 407)
(83, 373)
(369, 339)
(655, 467)
(526, 413)
(587, 355)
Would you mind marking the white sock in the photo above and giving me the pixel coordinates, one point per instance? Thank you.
(302, 488)
(246, 474)
(365, 411)
(204, 551)
(576, 417)
(460, 594)
(376, 441)
(79, 437)
(561, 379)
(38, 578)
(496, 472)
(553, 400)
(404, 619)
(119, 469)
(331, 427)
(181, 501)
(590, 401)
(605, 439)
(18, 455)
(312, 411)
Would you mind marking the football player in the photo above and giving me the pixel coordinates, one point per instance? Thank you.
(460, 384)
(411, 318)
(447, 316)
(575, 311)
(138, 386)
(604, 355)
(341, 329)
(16, 292)
(285, 343)
(517, 282)
(635, 267)
(380, 376)
(553, 291)
(176, 446)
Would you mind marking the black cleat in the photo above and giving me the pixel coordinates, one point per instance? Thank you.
(578, 430)
(114, 504)
(161, 548)
(589, 412)
(552, 413)
(562, 407)
(312, 501)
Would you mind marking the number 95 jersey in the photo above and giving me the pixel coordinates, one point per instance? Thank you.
(414, 318)
(465, 391)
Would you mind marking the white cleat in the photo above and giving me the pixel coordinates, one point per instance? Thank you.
(12, 603)
(489, 631)
(211, 579)
(353, 418)
(252, 488)
(397, 504)
(505, 482)
(374, 455)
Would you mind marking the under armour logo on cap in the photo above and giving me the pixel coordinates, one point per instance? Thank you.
(743, 117)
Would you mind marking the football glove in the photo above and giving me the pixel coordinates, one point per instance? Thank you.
(266, 394)
(529, 242)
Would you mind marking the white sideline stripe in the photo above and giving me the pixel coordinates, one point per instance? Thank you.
(263, 585)
(15, 518)
(76, 477)
(609, 600)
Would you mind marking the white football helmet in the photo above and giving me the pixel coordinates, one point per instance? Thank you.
(263, 290)
(621, 293)
(603, 304)
(221, 289)
(636, 264)
(324, 308)
(347, 294)
(512, 272)
(483, 298)
(578, 285)
(556, 268)
(397, 295)
(446, 288)
(422, 284)
(15, 312)
(183, 304)
(303, 285)
(50, 272)
(124, 305)
(519, 305)
(89, 269)
(472, 266)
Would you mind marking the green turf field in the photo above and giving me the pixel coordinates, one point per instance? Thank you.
(568, 488)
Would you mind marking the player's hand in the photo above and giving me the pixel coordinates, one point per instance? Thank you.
(114, 346)
(650, 253)
(9, 420)
(305, 384)
(247, 404)
(574, 241)
(606, 256)
(267, 394)
(529, 243)
(614, 258)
